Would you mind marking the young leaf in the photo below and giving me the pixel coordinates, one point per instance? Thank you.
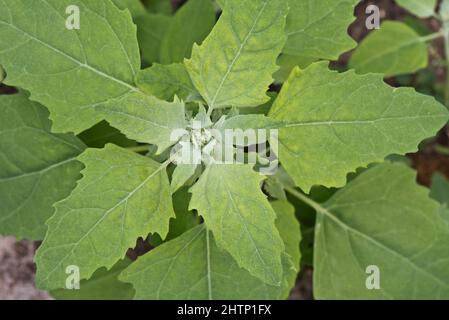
(69, 71)
(103, 285)
(191, 24)
(37, 167)
(167, 81)
(394, 49)
(193, 267)
(121, 197)
(420, 8)
(151, 29)
(337, 122)
(242, 48)
(382, 219)
(237, 212)
(318, 29)
(145, 118)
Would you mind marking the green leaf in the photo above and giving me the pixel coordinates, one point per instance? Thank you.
(184, 221)
(250, 121)
(242, 48)
(382, 218)
(237, 212)
(288, 227)
(420, 8)
(182, 173)
(394, 49)
(102, 133)
(151, 29)
(319, 29)
(440, 189)
(37, 167)
(69, 71)
(134, 6)
(159, 6)
(104, 285)
(145, 118)
(167, 81)
(193, 267)
(337, 122)
(191, 24)
(287, 63)
(121, 197)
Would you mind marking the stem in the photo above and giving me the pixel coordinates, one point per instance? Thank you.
(302, 197)
(139, 148)
(433, 36)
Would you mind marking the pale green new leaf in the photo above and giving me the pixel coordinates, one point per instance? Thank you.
(103, 285)
(394, 49)
(230, 199)
(151, 29)
(145, 118)
(37, 167)
(69, 71)
(383, 219)
(242, 48)
(122, 196)
(167, 81)
(318, 28)
(337, 122)
(191, 24)
(420, 8)
(193, 267)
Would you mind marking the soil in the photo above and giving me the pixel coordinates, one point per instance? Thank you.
(16, 257)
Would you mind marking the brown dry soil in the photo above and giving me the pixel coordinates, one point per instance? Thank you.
(16, 257)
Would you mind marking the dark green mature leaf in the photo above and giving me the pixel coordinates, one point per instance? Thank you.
(103, 285)
(121, 197)
(167, 81)
(237, 212)
(102, 133)
(394, 49)
(318, 28)
(337, 122)
(382, 218)
(151, 29)
(69, 71)
(440, 189)
(242, 48)
(159, 6)
(37, 167)
(191, 24)
(193, 267)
